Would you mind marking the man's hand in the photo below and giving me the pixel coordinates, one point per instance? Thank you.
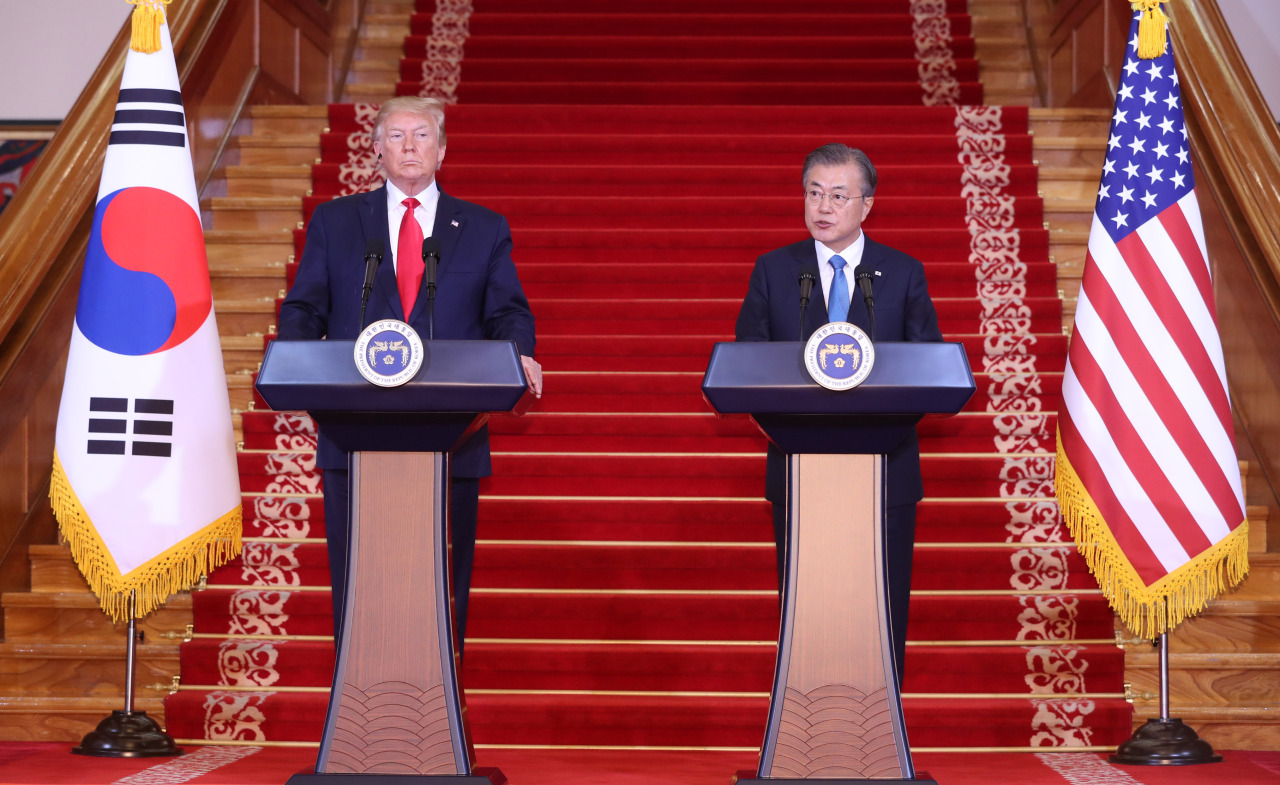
(532, 372)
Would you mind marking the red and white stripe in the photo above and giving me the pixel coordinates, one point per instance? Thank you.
(1147, 420)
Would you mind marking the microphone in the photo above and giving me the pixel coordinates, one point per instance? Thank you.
(808, 277)
(862, 274)
(373, 251)
(430, 258)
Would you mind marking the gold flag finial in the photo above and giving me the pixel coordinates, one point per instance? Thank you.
(147, 18)
(1151, 28)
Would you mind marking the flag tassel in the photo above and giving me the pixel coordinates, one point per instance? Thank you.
(1148, 611)
(1152, 42)
(145, 22)
(177, 569)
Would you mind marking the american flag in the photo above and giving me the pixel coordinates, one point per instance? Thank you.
(1147, 476)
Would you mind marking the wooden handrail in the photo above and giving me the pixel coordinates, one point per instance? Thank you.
(1236, 127)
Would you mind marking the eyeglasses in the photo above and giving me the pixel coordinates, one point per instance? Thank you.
(839, 201)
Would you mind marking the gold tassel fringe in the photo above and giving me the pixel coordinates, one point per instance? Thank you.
(147, 17)
(1152, 41)
(1146, 610)
(175, 570)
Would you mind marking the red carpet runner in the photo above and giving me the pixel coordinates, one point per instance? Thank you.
(624, 589)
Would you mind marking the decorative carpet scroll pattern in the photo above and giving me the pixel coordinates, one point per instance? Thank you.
(360, 171)
(995, 251)
(835, 731)
(270, 564)
(244, 663)
(937, 65)
(256, 612)
(234, 716)
(382, 707)
(442, 68)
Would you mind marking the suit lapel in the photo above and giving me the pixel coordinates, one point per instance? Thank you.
(873, 260)
(806, 255)
(445, 229)
(373, 220)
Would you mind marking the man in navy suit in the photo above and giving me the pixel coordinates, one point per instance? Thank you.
(479, 298)
(839, 190)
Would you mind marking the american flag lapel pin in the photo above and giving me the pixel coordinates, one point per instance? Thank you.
(455, 223)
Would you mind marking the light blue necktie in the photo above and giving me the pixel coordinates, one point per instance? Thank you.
(838, 302)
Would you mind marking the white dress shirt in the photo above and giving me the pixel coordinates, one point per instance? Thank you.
(425, 212)
(852, 257)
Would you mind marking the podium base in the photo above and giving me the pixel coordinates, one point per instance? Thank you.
(749, 778)
(1165, 743)
(482, 776)
(128, 734)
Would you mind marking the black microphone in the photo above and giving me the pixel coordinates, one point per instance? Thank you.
(430, 258)
(862, 274)
(808, 277)
(373, 251)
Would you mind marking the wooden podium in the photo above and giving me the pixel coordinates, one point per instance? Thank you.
(395, 715)
(835, 714)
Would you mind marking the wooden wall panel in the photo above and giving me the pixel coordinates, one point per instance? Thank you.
(278, 51)
(1086, 42)
(314, 72)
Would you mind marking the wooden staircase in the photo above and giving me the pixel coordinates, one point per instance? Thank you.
(61, 663)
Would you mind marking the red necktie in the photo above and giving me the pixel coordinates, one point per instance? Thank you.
(409, 265)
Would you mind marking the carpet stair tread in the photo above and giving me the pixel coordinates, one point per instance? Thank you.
(746, 566)
(466, 119)
(677, 70)
(612, 44)
(644, 667)
(642, 720)
(693, 6)
(874, 22)
(906, 93)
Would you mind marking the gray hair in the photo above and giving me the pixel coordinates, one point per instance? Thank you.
(836, 154)
(413, 105)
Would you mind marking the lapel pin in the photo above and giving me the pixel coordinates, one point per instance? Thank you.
(455, 223)
(877, 272)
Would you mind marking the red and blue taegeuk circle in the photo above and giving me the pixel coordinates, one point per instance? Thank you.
(146, 278)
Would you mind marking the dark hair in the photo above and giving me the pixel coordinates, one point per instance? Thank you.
(836, 154)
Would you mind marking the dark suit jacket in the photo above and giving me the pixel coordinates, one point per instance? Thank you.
(904, 312)
(478, 294)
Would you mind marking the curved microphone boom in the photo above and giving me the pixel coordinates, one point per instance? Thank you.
(373, 251)
(862, 274)
(430, 259)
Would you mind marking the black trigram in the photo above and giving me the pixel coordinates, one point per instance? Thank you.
(101, 422)
(138, 121)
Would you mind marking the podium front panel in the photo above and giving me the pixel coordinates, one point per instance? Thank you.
(395, 707)
(835, 712)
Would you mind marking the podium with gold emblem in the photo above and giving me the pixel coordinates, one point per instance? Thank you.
(835, 714)
(395, 713)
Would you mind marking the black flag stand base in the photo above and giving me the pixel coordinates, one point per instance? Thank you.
(1166, 741)
(128, 733)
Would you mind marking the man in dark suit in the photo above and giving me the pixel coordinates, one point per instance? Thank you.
(839, 189)
(479, 298)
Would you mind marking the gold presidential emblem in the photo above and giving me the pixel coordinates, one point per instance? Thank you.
(839, 356)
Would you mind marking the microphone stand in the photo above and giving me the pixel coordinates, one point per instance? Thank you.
(807, 280)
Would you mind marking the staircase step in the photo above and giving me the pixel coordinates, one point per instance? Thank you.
(77, 669)
(65, 719)
(1207, 680)
(76, 617)
(288, 119)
